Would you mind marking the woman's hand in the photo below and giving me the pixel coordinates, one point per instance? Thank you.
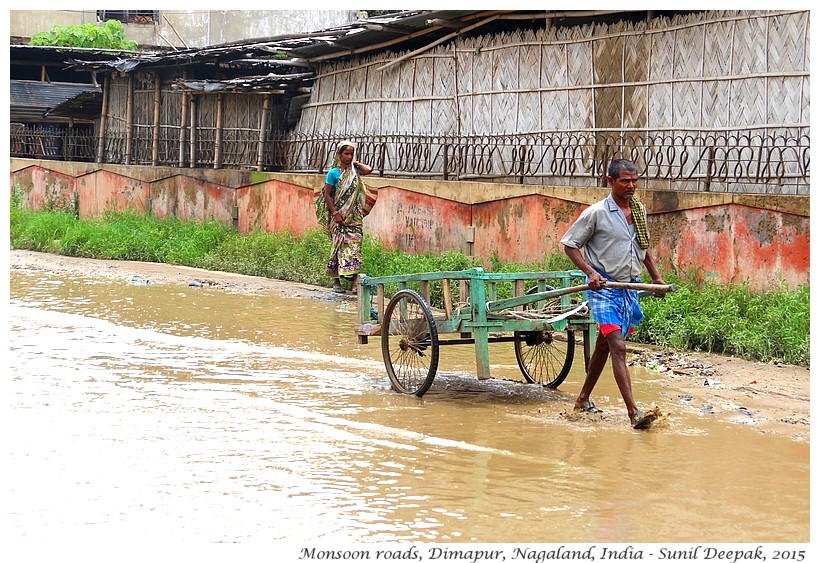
(337, 217)
(364, 169)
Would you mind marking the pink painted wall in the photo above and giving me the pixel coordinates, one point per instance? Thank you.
(44, 187)
(276, 206)
(415, 222)
(720, 237)
(100, 190)
(526, 227)
(191, 199)
(733, 243)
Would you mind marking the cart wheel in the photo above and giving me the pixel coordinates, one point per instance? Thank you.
(543, 358)
(409, 343)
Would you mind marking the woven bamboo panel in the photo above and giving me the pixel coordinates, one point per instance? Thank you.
(444, 112)
(787, 43)
(608, 60)
(341, 86)
(482, 116)
(748, 50)
(422, 88)
(660, 106)
(404, 90)
(390, 80)
(717, 50)
(143, 107)
(579, 64)
(715, 108)
(747, 101)
(688, 54)
(554, 110)
(507, 68)
(662, 57)
(608, 107)
(464, 84)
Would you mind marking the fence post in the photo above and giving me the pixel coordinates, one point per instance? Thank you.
(157, 102)
(192, 143)
(183, 127)
(218, 133)
(129, 119)
(263, 133)
(446, 162)
(103, 117)
(710, 165)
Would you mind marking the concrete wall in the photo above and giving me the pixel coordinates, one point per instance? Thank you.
(190, 28)
(709, 236)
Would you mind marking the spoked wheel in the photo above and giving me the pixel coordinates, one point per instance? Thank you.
(409, 343)
(542, 357)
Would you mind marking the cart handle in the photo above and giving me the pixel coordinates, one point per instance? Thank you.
(501, 304)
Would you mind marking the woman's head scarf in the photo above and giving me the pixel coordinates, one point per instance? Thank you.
(339, 149)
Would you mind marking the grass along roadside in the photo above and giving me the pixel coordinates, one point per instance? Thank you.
(715, 318)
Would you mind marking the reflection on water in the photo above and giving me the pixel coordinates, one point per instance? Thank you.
(164, 411)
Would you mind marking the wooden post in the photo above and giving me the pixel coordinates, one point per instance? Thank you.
(448, 299)
(129, 119)
(518, 291)
(380, 303)
(480, 331)
(424, 290)
(192, 143)
(103, 117)
(263, 133)
(155, 140)
(183, 129)
(218, 134)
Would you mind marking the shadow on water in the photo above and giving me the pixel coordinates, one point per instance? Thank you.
(164, 411)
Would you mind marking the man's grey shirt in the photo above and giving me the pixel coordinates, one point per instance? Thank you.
(609, 243)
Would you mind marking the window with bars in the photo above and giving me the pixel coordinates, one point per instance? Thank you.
(129, 16)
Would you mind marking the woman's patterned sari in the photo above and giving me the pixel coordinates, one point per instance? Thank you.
(346, 237)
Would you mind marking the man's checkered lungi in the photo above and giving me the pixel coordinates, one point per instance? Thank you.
(614, 308)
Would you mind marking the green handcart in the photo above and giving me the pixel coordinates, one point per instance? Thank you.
(541, 317)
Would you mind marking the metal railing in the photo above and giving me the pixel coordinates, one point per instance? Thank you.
(733, 161)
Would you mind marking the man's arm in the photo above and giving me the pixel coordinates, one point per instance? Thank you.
(596, 280)
(653, 272)
(652, 269)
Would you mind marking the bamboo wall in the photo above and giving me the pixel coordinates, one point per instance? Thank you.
(148, 121)
(712, 101)
(695, 75)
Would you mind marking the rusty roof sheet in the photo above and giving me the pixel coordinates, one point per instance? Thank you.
(32, 99)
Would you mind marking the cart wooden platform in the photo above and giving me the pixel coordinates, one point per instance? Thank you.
(540, 313)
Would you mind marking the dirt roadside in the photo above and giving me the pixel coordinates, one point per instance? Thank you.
(772, 398)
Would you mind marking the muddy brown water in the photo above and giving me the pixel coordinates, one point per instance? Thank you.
(144, 410)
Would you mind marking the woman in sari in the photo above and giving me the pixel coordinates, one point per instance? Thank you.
(345, 198)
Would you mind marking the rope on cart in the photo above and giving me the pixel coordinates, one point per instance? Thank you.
(547, 314)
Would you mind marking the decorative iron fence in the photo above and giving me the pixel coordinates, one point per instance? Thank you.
(51, 143)
(741, 161)
(734, 161)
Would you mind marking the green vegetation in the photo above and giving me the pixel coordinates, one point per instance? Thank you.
(773, 326)
(109, 35)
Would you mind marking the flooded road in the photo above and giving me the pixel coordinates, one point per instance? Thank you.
(158, 411)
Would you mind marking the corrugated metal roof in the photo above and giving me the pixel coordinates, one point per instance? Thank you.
(369, 35)
(31, 100)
